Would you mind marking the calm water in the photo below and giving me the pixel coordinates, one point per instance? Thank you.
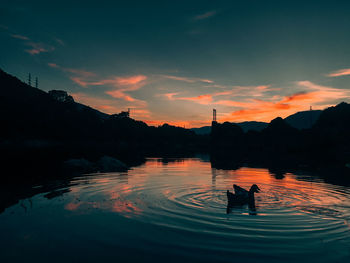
(166, 212)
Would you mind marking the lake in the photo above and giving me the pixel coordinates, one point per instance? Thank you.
(171, 210)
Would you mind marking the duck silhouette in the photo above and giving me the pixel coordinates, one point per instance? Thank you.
(242, 196)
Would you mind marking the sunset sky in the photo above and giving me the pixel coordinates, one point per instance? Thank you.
(174, 61)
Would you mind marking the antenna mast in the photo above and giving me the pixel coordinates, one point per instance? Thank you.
(214, 115)
(29, 79)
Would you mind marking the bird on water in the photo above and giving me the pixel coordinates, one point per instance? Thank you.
(242, 196)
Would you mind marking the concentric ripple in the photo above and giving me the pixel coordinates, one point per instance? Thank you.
(179, 210)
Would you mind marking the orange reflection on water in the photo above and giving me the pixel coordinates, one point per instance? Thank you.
(191, 163)
(129, 194)
(111, 194)
(72, 206)
(126, 208)
(252, 175)
(289, 189)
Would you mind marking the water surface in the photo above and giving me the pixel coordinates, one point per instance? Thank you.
(167, 211)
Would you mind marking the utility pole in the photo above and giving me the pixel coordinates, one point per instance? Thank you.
(310, 116)
(29, 79)
(214, 115)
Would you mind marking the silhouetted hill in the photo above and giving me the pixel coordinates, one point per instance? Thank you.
(226, 131)
(303, 119)
(299, 120)
(326, 142)
(252, 125)
(279, 126)
(39, 128)
(246, 126)
(29, 113)
(332, 131)
(335, 119)
(226, 136)
(205, 130)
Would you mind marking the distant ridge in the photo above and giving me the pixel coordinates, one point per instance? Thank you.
(202, 130)
(246, 126)
(325, 143)
(303, 119)
(28, 113)
(300, 120)
(252, 125)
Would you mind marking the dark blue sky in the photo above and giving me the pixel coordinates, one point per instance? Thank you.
(173, 61)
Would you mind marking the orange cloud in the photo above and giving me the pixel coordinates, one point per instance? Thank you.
(188, 80)
(237, 91)
(261, 112)
(82, 73)
(201, 99)
(231, 103)
(299, 96)
(121, 84)
(104, 105)
(266, 107)
(140, 113)
(205, 15)
(267, 110)
(126, 81)
(53, 65)
(110, 106)
(19, 37)
(120, 95)
(170, 96)
(79, 81)
(338, 73)
(125, 84)
(322, 94)
(37, 48)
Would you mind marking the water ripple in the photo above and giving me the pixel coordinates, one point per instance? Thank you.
(182, 205)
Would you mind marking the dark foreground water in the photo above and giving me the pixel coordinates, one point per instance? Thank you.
(176, 212)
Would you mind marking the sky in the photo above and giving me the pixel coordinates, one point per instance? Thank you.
(175, 61)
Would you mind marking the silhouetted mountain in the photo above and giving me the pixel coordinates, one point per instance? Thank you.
(299, 120)
(30, 113)
(331, 132)
(303, 119)
(335, 120)
(279, 126)
(40, 127)
(226, 131)
(205, 130)
(246, 126)
(324, 143)
(226, 136)
(252, 125)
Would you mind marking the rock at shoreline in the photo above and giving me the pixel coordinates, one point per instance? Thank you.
(79, 166)
(105, 164)
(110, 164)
